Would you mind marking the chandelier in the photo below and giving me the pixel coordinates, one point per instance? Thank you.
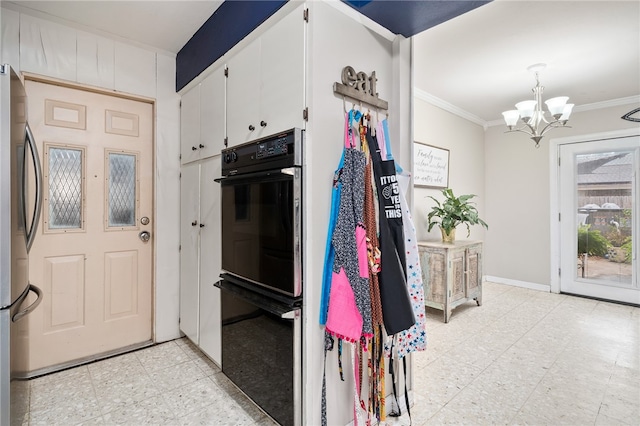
(535, 123)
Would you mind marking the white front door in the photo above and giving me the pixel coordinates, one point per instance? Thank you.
(599, 218)
(90, 257)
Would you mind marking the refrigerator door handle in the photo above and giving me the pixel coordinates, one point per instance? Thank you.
(26, 311)
(33, 227)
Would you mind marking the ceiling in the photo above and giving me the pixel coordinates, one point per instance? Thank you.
(474, 63)
(163, 25)
(478, 61)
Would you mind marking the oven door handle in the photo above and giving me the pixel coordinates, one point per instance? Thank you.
(294, 314)
(289, 171)
(259, 300)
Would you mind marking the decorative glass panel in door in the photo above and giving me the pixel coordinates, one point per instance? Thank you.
(65, 193)
(599, 218)
(121, 204)
(605, 208)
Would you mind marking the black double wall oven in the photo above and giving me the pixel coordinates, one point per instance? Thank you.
(261, 279)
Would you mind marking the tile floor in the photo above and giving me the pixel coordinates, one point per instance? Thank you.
(524, 357)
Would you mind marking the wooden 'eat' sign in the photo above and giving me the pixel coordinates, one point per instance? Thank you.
(360, 86)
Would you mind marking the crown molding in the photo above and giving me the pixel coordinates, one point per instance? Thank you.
(433, 100)
(630, 100)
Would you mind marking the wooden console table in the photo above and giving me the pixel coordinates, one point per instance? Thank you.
(452, 274)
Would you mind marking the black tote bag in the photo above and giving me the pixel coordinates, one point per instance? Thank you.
(397, 312)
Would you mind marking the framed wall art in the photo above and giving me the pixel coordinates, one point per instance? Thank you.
(430, 166)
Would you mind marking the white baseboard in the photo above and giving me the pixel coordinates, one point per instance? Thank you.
(517, 283)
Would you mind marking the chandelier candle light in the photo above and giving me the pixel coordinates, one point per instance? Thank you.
(532, 115)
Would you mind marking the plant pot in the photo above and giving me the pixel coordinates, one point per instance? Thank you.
(450, 237)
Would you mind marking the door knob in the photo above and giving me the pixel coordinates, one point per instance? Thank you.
(193, 148)
(194, 223)
(251, 127)
(144, 236)
(201, 146)
(202, 225)
(263, 123)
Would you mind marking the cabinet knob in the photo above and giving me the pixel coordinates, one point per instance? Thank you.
(193, 148)
(263, 123)
(251, 127)
(202, 225)
(194, 223)
(201, 146)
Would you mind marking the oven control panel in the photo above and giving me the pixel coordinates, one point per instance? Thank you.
(272, 152)
(270, 148)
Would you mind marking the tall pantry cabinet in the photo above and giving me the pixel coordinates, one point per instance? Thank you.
(202, 135)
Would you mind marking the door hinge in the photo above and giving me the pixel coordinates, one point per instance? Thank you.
(226, 71)
(305, 15)
(226, 141)
(558, 161)
(305, 114)
(180, 248)
(180, 174)
(4, 69)
(559, 272)
(180, 103)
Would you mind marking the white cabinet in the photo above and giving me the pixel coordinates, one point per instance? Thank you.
(243, 89)
(202, 118)
(200, 255)
(210, 259)
(265, 83)
(189, 250)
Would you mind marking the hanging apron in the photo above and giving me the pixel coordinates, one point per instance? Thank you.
(350, 277)
(329, 254)
(415, 338)
(397, 311)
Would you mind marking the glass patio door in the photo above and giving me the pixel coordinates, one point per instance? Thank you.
(599, 194)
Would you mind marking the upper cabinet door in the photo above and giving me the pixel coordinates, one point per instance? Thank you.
(266, 82)
(243, 92)
(282, 73)
(212, 110)
(202, 119)
(190, 125)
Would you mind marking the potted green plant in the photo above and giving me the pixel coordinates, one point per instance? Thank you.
(452, 212)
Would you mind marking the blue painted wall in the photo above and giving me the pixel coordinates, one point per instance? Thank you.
(229, 24)
(235, 19)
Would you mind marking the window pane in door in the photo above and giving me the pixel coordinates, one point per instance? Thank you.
(605, 212)
(122, 190)
(65, 188)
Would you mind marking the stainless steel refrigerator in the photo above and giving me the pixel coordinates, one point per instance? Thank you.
(19, 219)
